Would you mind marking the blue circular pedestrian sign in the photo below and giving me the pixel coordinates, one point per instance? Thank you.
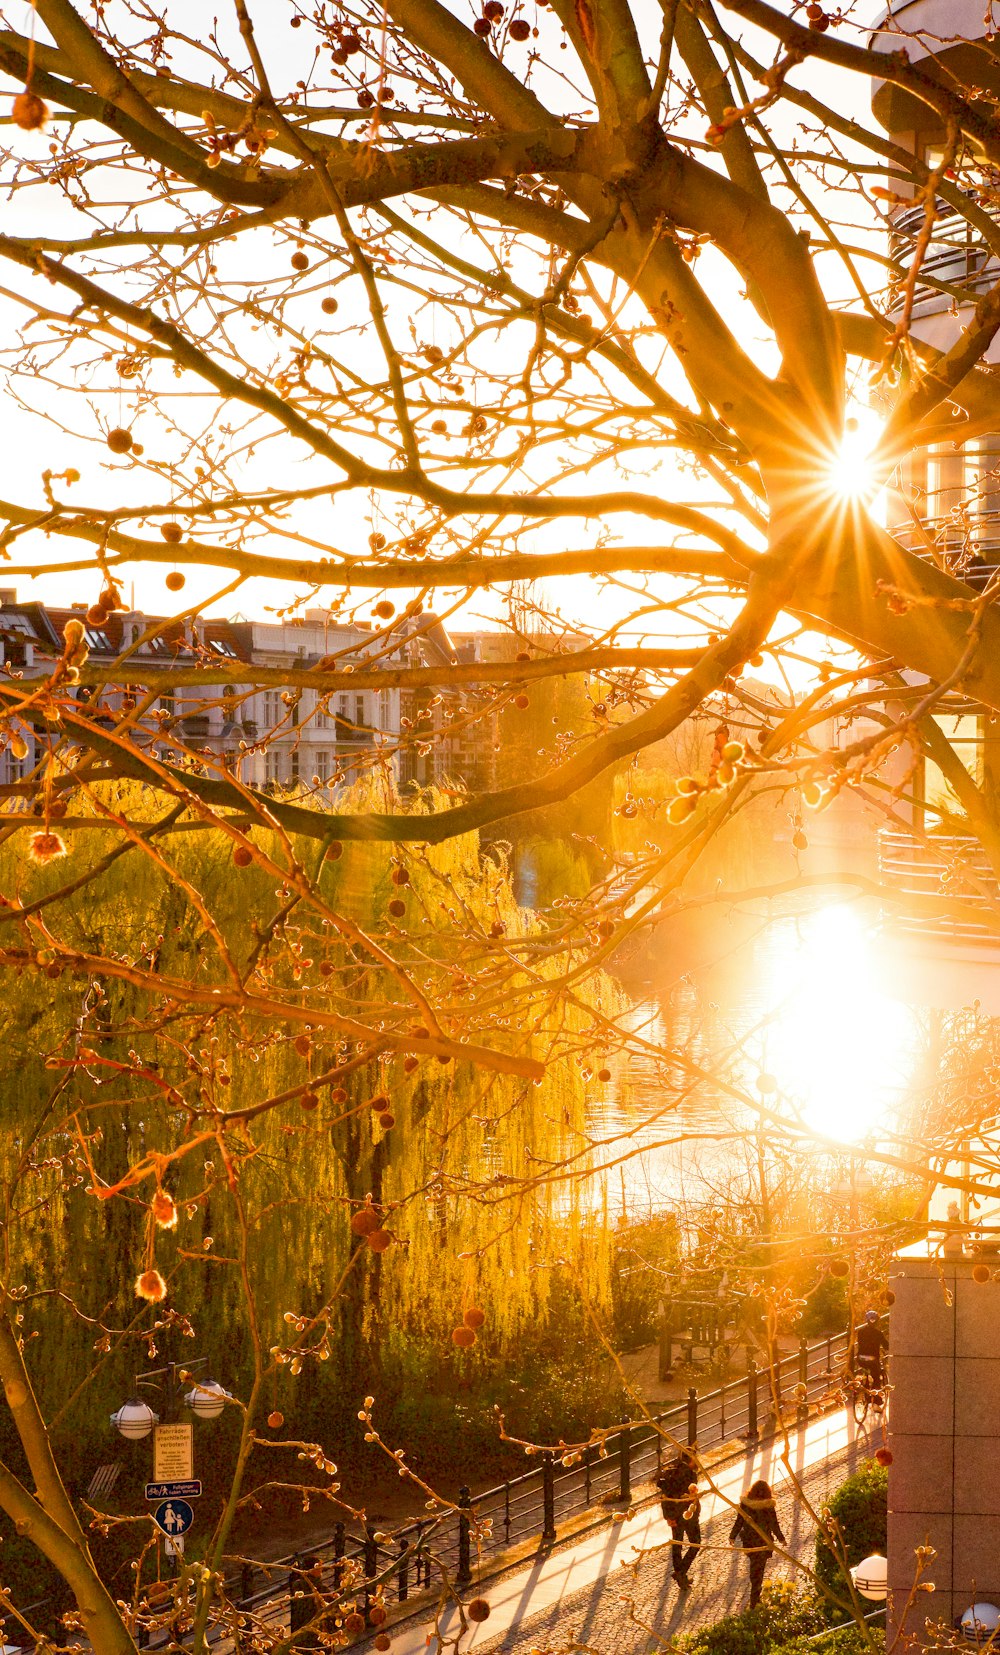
(173, 1517)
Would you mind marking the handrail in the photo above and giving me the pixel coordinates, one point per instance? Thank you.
(599, 1475)
(602, 1473)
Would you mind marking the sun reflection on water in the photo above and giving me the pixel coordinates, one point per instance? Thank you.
(841, 1050)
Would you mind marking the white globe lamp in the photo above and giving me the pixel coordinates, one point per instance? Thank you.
(134, 1419)
(207, 1398)
(871, 1578)
(980, 1622)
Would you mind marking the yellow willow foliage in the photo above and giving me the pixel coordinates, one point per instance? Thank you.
(469, 1176)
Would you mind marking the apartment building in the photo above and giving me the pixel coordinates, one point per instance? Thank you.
(279, 735)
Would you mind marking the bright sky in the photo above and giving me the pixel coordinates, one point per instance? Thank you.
(31, 444)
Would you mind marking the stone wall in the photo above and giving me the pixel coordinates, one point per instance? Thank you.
(944, 1434)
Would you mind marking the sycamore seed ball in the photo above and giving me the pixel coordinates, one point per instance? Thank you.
(29, 112)
(119, 440)
(174, 581)
(365, 1221)
(463, 1337)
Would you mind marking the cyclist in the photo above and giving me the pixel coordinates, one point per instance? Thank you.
(867, 1351)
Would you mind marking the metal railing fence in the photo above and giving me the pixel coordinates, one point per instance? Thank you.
(534, 1505)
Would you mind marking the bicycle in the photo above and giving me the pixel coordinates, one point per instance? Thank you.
(860, 1393)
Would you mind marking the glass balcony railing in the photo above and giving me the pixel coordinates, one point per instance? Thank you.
(956, 257)
(968, 544)
(949, 868)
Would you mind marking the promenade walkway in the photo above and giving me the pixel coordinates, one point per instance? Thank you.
(612, 1589)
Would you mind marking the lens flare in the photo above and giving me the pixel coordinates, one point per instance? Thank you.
(850, 472)
(840, 1048)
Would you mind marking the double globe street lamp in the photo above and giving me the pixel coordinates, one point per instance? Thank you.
(135, 1418)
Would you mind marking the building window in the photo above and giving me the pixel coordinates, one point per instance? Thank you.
(943, 812)
(323, 764)
(272, 765)
(322, 714)
(948, 478)
(273, 708)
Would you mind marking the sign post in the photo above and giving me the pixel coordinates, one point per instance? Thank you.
(173, 1453)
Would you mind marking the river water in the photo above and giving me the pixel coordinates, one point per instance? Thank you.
(792, 1013)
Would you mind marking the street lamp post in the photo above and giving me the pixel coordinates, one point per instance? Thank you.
(135, 1419)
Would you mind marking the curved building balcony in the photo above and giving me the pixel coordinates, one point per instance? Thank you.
(955, 259)
(968, 546)
(948, 868)
(944, 38)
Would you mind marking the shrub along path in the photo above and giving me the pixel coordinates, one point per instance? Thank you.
(613, 1590)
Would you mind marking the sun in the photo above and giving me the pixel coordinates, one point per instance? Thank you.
(850, 471)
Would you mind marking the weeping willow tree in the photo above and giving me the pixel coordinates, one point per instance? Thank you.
(256, 1188)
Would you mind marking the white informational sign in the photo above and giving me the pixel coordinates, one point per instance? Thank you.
(173, 1545)
(173, 1453)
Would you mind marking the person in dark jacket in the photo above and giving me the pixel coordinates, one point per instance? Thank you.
(679, 1503)
(870, 1344)
(755, 1529)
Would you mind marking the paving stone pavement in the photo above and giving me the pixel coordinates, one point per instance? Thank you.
(638, 1609)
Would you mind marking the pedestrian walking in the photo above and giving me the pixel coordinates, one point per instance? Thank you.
(756, 1529)
(680, 1505)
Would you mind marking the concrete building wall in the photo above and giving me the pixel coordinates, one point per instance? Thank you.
(944, 1435)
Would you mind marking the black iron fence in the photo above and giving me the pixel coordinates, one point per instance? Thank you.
(559, 1488)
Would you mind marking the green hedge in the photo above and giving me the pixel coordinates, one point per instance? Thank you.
(784, 1615)
(859, 1509)
(789, 1620)
(850, 1640)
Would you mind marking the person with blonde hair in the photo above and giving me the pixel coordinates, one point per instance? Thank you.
(756, 1529)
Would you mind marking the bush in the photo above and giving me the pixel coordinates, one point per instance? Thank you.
(859, 1510)
(449, 1425)
(826, 1309)
(784, 1616)
(848, 1640)
(643, 1253)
